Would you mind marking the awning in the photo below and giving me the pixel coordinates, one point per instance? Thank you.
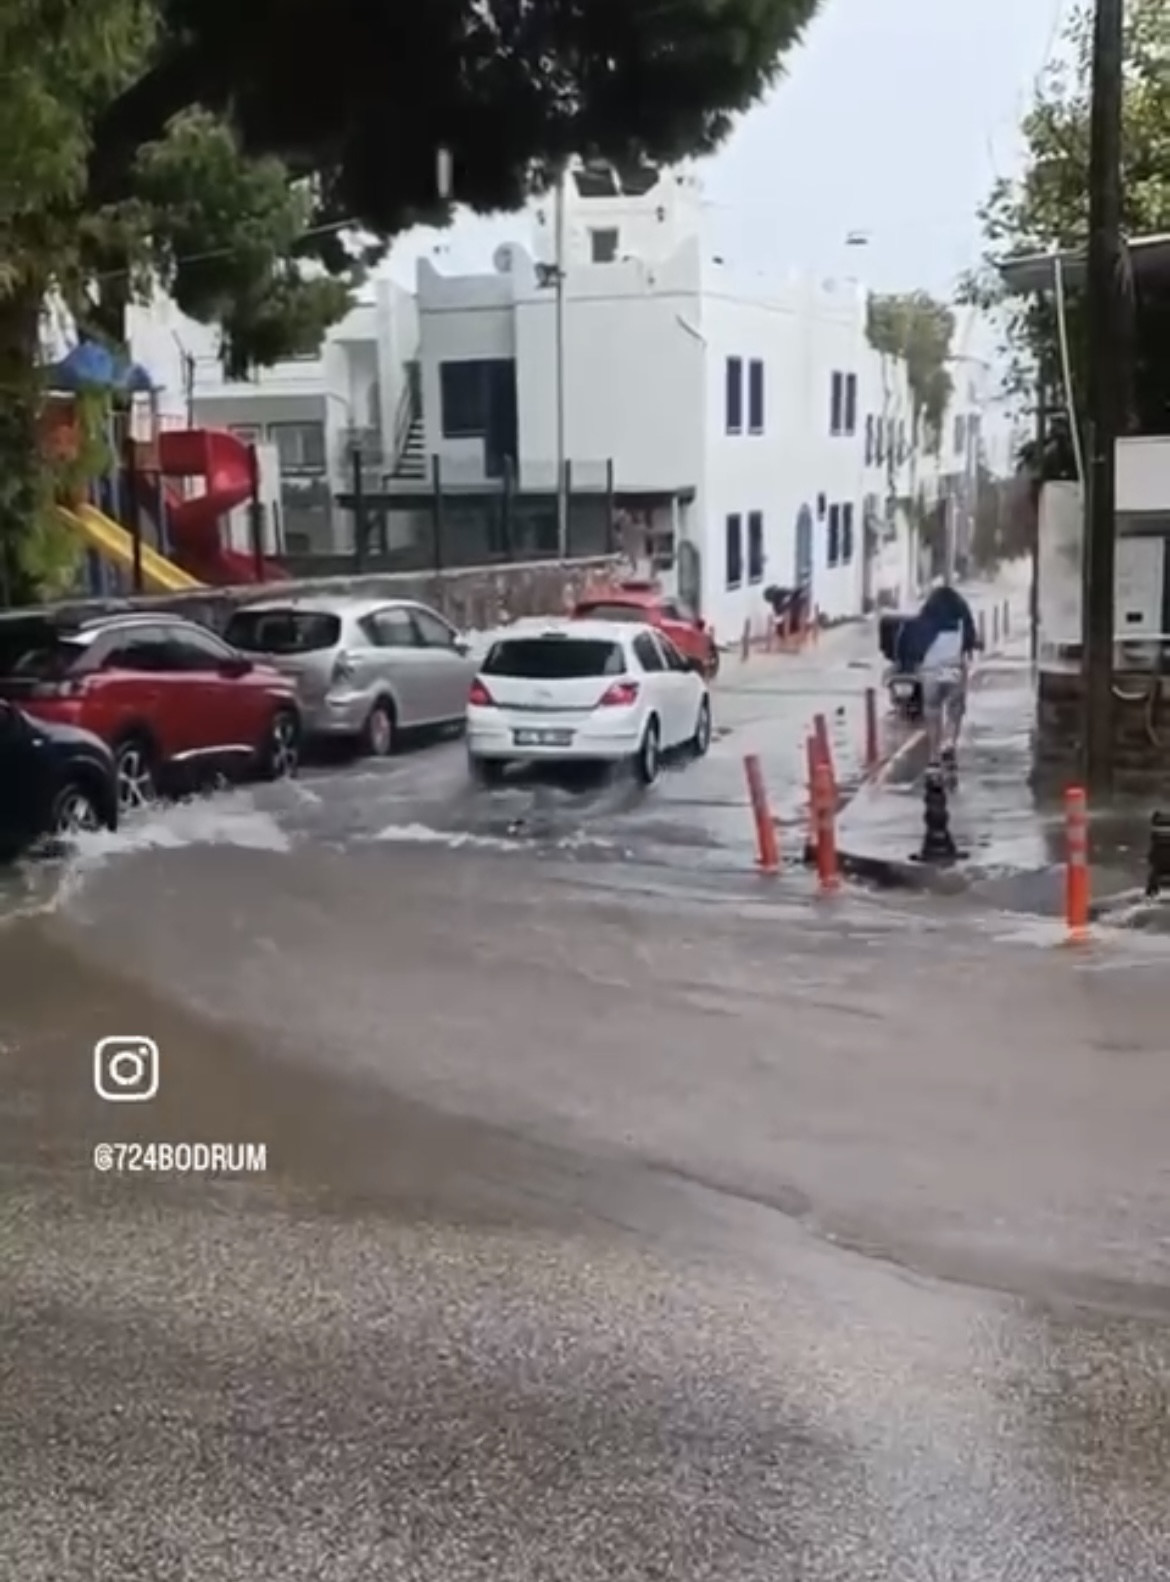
(1031, 272)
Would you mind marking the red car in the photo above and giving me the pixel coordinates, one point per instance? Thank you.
(167, 695)
(642, 601)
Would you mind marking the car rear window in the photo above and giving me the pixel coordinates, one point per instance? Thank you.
(51, 662)
(283, 631)
(612, 612)
(554, 658)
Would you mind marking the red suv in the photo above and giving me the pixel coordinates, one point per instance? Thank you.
(642, 601)
(168, 696)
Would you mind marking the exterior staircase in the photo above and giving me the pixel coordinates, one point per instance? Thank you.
(411, 462)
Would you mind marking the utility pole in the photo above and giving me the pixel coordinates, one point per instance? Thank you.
(559, 285)
(1105, 353)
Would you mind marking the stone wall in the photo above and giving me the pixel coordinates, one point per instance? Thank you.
(471, 598)
(1141, 732)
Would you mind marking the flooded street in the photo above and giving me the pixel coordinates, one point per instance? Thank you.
(627, 1215)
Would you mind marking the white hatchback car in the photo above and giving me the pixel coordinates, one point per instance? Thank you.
(589, 692)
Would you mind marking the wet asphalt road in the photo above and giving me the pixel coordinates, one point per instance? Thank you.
(624, 1218)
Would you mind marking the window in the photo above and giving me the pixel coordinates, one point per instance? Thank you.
(676, 610)
(603, 246)
(674, 660)
(869, 442)
(755, 535)
(833, 555)
(196, 650)
(300, 446)
(51, 663)
(822, 507)
(879, 442)
(850, 424)
(847, 533)
(554, 659)
(649, 654)
(393, 629)
(145, 649)
(837, 404)
(283, 631)
(634, 613)
(755, 398)
(735, 395)
(960, 435)
(466, 394)
(902, 447)
(432, 630)
(734, 551)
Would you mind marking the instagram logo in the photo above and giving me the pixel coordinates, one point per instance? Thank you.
(125, 1069)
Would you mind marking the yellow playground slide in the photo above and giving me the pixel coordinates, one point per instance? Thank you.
(114, 543)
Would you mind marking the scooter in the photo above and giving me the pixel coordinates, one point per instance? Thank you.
(902, 681)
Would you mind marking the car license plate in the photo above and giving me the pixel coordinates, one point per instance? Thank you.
(542, 738)
(902, 689)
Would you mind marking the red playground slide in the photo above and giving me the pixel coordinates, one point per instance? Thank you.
(225, 465)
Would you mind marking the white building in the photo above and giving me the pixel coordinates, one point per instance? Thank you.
(747, 424)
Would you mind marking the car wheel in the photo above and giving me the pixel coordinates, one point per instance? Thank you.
(135, 773)
(649, 758)
(282, 749)
(701, 740)
(379, 737)
(486, 771)
(74, 812)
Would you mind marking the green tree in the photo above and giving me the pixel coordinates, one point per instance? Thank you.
(919, 331)
(231, 151)
(1046, 207)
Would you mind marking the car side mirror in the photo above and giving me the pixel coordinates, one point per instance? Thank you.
(235, 667)
(461, 646)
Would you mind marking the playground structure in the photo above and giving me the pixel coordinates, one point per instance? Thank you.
(145, 527)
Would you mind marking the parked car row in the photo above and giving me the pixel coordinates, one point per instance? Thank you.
(100, 716)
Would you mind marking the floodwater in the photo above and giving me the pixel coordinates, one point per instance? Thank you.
(627, 1214)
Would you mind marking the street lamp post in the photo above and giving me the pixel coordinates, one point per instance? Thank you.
(559, 283)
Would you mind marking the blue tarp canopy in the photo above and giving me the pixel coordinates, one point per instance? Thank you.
(90, 365)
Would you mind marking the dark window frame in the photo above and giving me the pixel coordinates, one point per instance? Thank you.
(733, 395)
(755, 547)
(833, 538)
(733, 551)
(836, 402)
(849, 423)
(755, 396)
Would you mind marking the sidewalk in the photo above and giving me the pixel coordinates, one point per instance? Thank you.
(1011, 843)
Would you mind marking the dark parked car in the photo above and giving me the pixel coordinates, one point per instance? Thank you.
(54, 780)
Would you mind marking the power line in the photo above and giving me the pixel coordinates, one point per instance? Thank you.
(226, 252)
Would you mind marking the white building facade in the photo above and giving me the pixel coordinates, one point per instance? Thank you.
(747, 425)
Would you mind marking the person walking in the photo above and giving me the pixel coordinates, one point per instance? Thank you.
(946, 639)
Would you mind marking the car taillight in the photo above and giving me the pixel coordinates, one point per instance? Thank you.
(620, 696)
(344, 669)
(479, 697)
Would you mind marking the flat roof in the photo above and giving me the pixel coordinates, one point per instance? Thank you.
(1028, 272)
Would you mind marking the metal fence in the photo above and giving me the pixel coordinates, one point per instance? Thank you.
(434, 524)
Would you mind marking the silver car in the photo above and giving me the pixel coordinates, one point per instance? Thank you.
(365, 669)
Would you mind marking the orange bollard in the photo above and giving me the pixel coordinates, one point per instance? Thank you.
(824, 749)
(1076, 873)
(825, 793)
(767, 847)
(872, 744)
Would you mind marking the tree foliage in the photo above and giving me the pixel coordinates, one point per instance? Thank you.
(1047, 207)
(231, 151)
(919, 331)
